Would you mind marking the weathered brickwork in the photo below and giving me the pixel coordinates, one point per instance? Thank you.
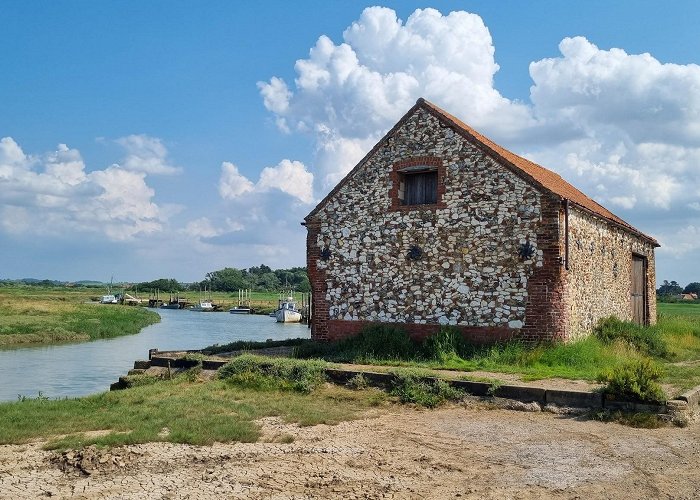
(487, 257)
(599, 281)
(470, 273)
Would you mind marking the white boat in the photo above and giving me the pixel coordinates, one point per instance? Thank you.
(243, 306)
(239, 310)
(203, 306)
(109, 299)
(288, 312)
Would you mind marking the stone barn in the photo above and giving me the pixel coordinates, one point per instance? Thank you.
(438, 225)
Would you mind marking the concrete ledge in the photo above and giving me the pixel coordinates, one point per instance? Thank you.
(212, 364)
(385, 380)
(692, 397)
(173, 362)
(574, 399)
(340, 376)
(523, 393)
(633, 406)
(474, 388)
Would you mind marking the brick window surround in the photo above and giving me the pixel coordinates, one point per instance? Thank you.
(396, 175)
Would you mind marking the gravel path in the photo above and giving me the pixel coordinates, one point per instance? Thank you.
(454, 452)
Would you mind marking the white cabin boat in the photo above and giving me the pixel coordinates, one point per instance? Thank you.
(109, 299)
(288, 312)
(203, 306)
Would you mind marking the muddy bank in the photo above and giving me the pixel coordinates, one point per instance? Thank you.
(467, 452)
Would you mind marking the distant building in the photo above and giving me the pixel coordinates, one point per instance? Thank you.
(438, 225)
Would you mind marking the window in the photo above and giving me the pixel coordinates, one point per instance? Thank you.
(418, 186)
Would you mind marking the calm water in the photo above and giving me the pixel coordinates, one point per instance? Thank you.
(89, 367)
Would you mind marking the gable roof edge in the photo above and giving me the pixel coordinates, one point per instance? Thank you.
(485, 145)
(376, 147)
(466, 132)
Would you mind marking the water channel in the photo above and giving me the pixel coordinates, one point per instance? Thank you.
(79, 369)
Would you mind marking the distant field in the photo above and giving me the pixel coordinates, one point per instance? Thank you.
(36, 315)
(678, 309)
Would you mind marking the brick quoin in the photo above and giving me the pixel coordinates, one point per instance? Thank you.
(317, 278)
(545, 313)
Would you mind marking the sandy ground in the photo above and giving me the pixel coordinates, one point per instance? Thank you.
(454, 452)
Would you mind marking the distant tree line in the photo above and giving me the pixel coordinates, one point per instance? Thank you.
(670, 290)
(50, 283)
(257, 278)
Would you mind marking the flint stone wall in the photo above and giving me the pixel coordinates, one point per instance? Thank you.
(599, 281)
(470, 273)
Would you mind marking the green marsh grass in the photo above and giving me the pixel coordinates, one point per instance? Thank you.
(30, 315)
(196, 412)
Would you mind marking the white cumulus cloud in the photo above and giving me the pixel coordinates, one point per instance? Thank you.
(52, 194)
(146, 154)
(634, 123)
(232, 183)
(349, 94)
(288, 176)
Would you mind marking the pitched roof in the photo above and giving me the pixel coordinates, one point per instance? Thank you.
(534, 173)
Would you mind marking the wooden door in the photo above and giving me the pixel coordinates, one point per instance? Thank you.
(639, 299)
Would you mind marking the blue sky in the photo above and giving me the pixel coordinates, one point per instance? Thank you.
(168, 139)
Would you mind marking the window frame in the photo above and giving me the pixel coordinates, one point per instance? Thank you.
(407, 190)
(418, 165)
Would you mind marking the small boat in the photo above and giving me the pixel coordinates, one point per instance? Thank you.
(172, 303)
(288, 312)
(109, 299)
(239, 310)
(203, 306)
(243, 306)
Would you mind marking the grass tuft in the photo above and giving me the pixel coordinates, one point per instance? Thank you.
(647, 339)
(274, 373)
(410, 386)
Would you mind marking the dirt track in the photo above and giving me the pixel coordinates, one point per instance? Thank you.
(466, 452)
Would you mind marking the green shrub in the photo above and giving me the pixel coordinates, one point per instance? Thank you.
(278, 373)
(411, 387)
(382, 342)
(447, 343)
(647, 339)
(634, 380)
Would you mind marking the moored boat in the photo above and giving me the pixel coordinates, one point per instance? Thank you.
(203, 306)
(109, 299)
(288, 312)
(239, 310)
